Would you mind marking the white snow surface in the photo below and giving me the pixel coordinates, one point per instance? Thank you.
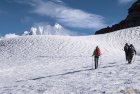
(51, 64)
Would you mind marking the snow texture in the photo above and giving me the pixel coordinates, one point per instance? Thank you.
(52, 64)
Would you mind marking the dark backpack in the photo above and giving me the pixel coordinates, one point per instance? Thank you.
(126, 47)
(131, 50)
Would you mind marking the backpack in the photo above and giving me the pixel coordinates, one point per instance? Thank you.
(131, 50)
(126, 47)
(97, 52)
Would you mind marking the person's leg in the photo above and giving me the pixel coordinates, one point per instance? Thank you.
(126, 55)
(128, 58)
(131, 58)
(95, 62)
(129, 61)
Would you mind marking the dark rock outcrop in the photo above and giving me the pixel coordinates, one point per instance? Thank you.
(132, 20)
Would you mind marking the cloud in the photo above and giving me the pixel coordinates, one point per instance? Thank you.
(126, 1)
(46, 29)
(65, 15)
(10, 35)
(43, 29)
(69, 16)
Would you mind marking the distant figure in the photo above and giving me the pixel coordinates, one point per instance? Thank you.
(126, 51)
(131, 52)
(96, 55)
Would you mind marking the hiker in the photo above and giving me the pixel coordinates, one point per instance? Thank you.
(131, 52)
(126, 51)
(96, 55)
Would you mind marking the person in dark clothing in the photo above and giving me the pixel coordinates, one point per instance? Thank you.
(126, 51)
(96, 55)
(131, 53)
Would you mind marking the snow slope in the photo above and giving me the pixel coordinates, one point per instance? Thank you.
(46, 64)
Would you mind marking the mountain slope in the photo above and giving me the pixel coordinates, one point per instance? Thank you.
(132, 20)
(61, 64)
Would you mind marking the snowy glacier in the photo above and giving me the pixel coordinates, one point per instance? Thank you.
(53, 64)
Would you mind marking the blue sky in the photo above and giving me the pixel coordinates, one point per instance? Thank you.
(81, 16)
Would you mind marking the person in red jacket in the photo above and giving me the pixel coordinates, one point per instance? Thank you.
(96, 55)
